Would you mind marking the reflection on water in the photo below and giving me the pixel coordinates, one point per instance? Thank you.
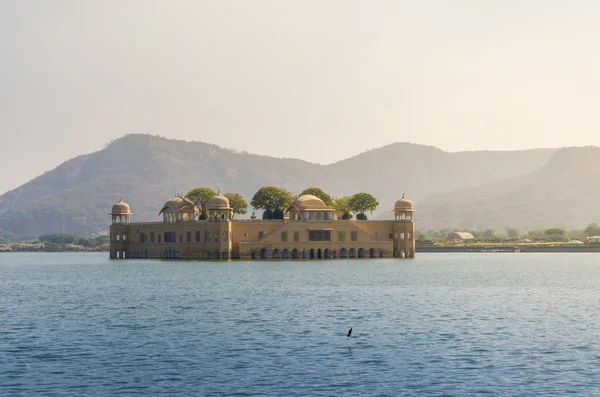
(455, 324)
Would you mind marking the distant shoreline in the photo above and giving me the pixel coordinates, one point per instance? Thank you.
(41, 247)
(493, 249)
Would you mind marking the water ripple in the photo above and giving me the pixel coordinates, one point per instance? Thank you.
(456, 325)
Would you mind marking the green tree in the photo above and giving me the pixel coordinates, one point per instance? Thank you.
(537, 235)
(488, 234)
(315, 191)
(200, 196)
(273, 200)
(59, 238)
(101, 240)
(592, 230)
(237, 203)
(342, 207)
(512, 233)
(361, 203)
(556, 234)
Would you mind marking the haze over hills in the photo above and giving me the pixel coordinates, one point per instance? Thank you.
(562, 193)
(146, 170)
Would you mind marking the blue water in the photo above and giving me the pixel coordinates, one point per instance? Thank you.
(440, 325)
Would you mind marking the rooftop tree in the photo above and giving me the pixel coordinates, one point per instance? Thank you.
(361, 203)
(237, 203)
(272, 200)
(200, 196)
(342, 207)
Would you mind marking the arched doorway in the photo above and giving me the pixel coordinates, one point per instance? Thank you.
(117, 254)
(225, 255)
(253, 255)
(263, 253)
(361, 252)
(285, 254)
(372, 253)
(276, 254)
(343, 253)
(334, 253)
(303, 253)
(381, 254)
(294, 253)
(352, 253)
(320, 253)
(312, 253)
(327, 253)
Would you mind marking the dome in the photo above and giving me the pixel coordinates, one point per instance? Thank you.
(121, 208)
(308, 200)
(176, 203)
(404, 205)
(219, 202)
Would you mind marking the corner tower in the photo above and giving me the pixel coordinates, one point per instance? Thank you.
(404, 228)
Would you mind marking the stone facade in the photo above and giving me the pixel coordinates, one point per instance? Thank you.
(310, 231)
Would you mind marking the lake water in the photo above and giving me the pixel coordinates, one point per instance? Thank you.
(439, 325)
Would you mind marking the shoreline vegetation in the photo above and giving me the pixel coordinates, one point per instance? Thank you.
(58, 243)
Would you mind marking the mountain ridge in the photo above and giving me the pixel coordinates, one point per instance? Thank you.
(146, 170)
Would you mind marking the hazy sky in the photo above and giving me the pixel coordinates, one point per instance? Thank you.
(318, 80)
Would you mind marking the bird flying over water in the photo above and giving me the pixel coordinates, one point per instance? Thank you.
(349, 333)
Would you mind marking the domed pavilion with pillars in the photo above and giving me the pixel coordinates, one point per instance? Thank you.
(309, 207)
(219, 209)
(310, 230)
(403, 210)
(121, 212)
(178, 209)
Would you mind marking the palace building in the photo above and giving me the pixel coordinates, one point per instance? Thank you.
(309, 230)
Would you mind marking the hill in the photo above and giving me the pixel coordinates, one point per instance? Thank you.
(146, 170)
(560, 194)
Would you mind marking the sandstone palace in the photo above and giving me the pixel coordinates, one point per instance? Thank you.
(309, 230)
